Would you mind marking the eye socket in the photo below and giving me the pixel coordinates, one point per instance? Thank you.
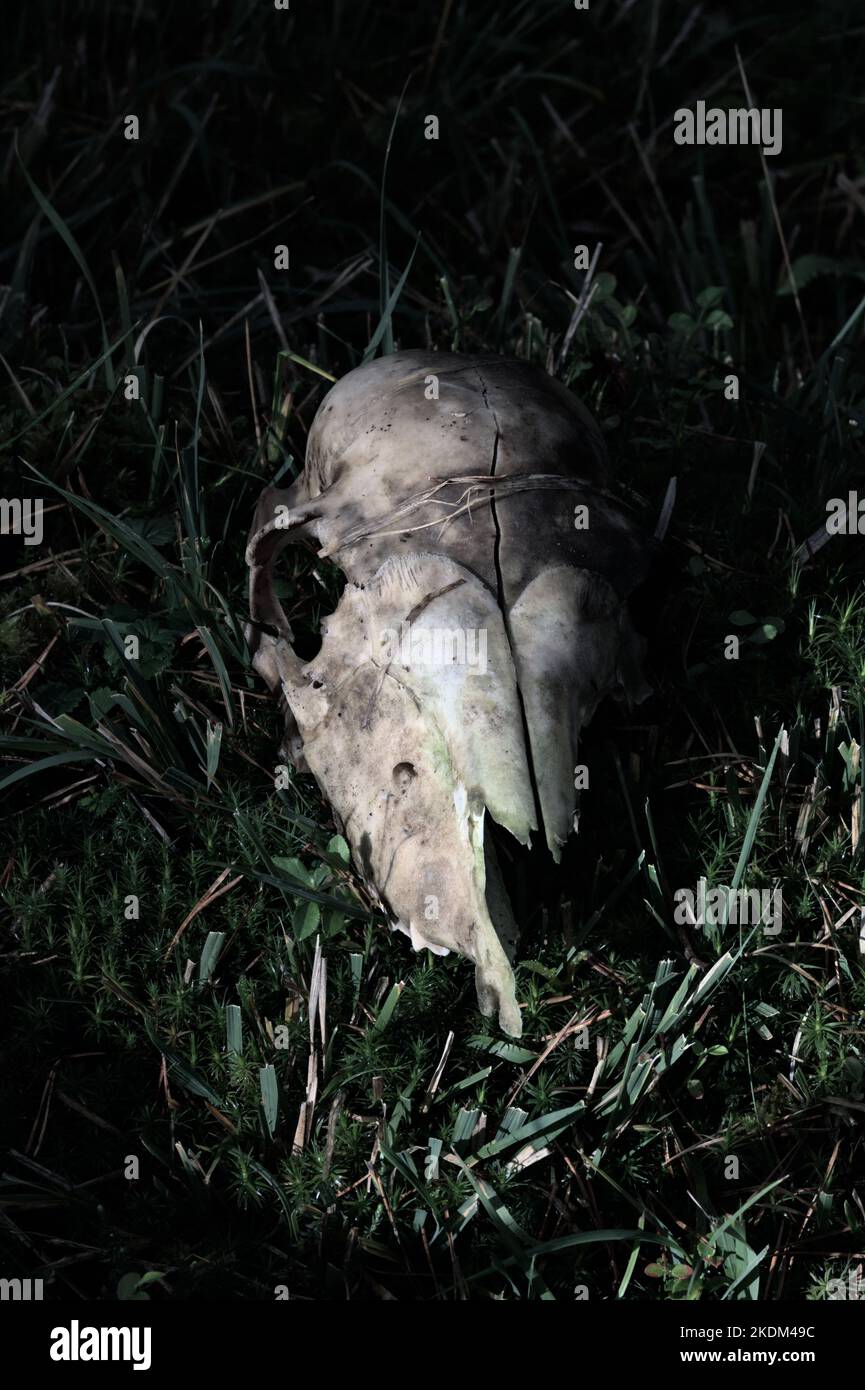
(403, 776)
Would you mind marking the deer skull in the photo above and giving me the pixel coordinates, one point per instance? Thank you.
(483, 619)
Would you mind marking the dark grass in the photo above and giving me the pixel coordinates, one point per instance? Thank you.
(259, 128)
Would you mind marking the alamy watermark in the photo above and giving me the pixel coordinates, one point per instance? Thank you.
(22, 516)
(738, 126)
(21, 1290)
(852, 1288)
(723, 906)
(77, 1343)
(846, 515)
(437, 647)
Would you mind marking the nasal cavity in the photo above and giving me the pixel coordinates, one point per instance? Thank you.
(403, 776)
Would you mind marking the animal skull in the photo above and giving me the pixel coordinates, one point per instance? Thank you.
(478, 630)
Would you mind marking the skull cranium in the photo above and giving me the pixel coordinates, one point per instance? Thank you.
(478, 630)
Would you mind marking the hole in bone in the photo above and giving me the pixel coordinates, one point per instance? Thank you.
(403, 776)
(299, 571)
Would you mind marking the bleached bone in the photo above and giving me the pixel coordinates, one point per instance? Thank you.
(478, 630)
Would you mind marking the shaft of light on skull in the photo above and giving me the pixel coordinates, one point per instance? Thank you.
(466, 501)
